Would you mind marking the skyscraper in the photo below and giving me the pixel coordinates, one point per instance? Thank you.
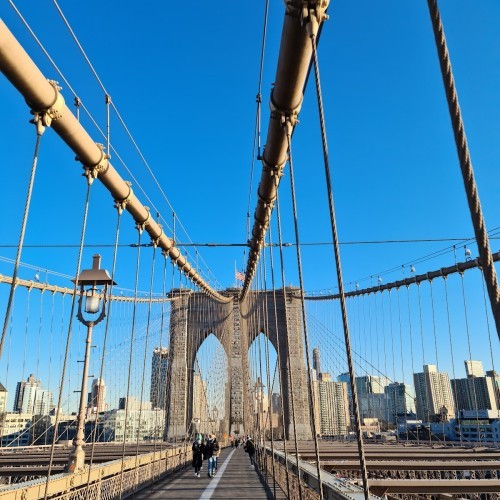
(97, 396)
(3, 399)
(372, 400)
(200, 403)
(496, 384)
(316, 361)
(400, 400)
(476, 392)
(473, 368)
(433, 394)
(159, 371)
(332, 407)
(30, 398)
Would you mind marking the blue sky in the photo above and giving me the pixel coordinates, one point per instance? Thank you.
(185, 83)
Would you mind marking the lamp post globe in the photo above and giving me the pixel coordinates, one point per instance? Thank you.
(91, 311)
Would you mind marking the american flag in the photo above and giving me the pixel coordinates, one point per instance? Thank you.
(240, 276)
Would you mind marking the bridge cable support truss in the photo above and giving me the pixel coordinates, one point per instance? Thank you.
(43, 97)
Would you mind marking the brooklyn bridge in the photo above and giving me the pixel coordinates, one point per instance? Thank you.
(316, 296)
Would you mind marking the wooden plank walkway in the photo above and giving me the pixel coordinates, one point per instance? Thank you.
(235, 478)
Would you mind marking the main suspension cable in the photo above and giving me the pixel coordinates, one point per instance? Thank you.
(467, 170)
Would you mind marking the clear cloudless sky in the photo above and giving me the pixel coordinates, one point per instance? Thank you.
(185, 78)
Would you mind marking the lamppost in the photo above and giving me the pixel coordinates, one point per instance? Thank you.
(90, 314)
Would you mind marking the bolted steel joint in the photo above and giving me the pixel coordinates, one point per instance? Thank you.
(52, 112)
(156, 241)
(37, 120)
(285, 114)
(287, 123)
(101, 167)
(140, 226)
(120, 205)
(273, 170)
(295, 8)
(313, 14)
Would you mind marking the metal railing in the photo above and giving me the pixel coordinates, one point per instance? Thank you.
(105, 481)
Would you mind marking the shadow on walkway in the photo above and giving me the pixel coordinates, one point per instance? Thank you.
(235, 480)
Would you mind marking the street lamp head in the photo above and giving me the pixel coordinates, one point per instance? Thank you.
(89, 280)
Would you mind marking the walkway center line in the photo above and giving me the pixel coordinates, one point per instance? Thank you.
(209, 490)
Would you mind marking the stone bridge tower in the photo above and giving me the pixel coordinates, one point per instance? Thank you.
(236, 324)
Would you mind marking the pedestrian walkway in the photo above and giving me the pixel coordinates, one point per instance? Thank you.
(235, 479)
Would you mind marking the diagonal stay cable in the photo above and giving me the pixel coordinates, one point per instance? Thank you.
(312, 28)
(40, 128)
(120, 118)
(101, 132)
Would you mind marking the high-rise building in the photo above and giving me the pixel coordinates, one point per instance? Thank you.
(43, 402)
(3, 399)
(141, 425)
(496, 384)
(400, 400)
(475, 393)
(133, 404)
(31, 399)
(97, 396)
(24, 399)
(433, 394)
(159, 371)
(200, 403)
(372, 400)
(473, 368)
(332, 407)
(316, 361)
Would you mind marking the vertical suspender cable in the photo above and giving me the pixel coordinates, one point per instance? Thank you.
(471, 190)
(105, 341)
(303, 307)
(132, 335)
(146, 344)
(278, 362)
(268, 369)
(455, 409)
(68, 338)
(402, 354)
(471, 380)
(338, 263)
(290, 378)
(159, 373)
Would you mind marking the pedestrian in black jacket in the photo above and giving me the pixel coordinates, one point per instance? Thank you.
(198, 449)
(208, 455)
(250, 449)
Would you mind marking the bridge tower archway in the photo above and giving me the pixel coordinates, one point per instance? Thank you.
(208, 402)
(278, 315)
(194, 316)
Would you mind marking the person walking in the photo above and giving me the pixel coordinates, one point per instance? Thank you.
(250, 449)
(216, 453)
(208, 455)
(197, 449)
